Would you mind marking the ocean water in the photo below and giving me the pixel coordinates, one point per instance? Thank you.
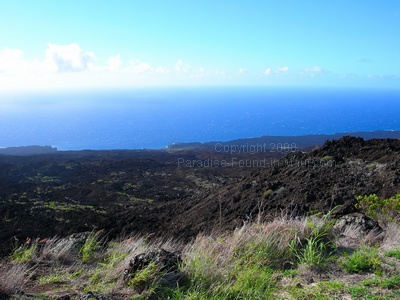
(155, 118)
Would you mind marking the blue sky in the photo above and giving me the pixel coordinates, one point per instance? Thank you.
(97, 44)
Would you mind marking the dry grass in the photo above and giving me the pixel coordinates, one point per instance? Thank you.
(219, 252)
(350, 237)
(56, 249)
(13, 278)
(392, 236)
(353, 237)
(233, 264)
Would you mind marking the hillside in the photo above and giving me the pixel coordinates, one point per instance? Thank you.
(334, 174)
(151, 192)
(103, 208)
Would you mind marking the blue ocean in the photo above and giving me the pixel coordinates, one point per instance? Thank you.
(155, 118)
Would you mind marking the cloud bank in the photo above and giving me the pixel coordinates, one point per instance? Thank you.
(70, 66)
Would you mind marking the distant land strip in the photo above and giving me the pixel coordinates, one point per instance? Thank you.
(300, 142)
(269, 142)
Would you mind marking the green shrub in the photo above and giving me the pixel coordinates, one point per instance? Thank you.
(364, 259)
(380, 209)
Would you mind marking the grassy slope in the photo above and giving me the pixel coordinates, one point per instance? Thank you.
(282, 259)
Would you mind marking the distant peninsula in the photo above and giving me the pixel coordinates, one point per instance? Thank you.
(300, 142)
(269, 142)
(27, 150)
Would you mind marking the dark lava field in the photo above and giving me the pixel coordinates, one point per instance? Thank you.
(180, 192)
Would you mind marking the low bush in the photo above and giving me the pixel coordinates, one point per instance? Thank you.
(364, 259)
(383, 210)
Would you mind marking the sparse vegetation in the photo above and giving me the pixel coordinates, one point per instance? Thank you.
(298, 256)
(61, 206)
(282, 259)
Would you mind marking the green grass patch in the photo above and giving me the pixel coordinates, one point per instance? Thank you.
(66, 207)
(263, 253)
(392, 282)
(317, 247)
(52, 278)
(90, 247)
(358, 291)
(24, 253)
(327, 157)
(60, 276)
(363, 260)
(144, 278)
(393, 253)
(322, 290)
(267, 193)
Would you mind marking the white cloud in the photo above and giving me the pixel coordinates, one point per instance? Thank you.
(242, 71)
(178, 65)
(199, 73)
(161, 70)
(134, 67)
(315, 69)
(58, 58)
(114, 63)
(70, 66)
(68, 58)
(282, 69)
(181, 67)
(268, 71)
(10, 60)
(138, 67)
